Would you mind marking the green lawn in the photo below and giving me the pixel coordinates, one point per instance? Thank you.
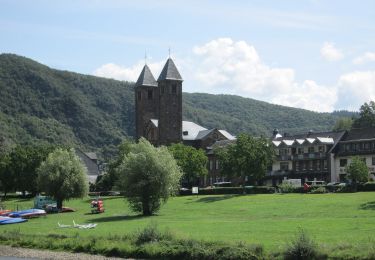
(271, 220)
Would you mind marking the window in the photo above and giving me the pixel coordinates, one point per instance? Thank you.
(355, 147)
(139, 95)
(211, 164)
(311, 149)
(321, 149)
(297, 166)
(310, 165)
(217, 164)
(174, 89)
(366, 146)
(149, 94)
(318, 165)
(373, 160)
(347, 147)
(325, 164)
(283, 151)
(300, 150)
(284, 166)
(343, 162)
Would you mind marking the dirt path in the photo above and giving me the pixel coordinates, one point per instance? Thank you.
(45, 254)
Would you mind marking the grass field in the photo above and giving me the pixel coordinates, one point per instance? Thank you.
(270, 220)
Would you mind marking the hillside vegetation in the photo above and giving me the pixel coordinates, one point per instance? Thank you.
(40, 104)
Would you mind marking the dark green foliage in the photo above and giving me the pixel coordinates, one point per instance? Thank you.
(302, 248)
(237, 115)
(368, 186)
(39, 104)
(193, 162)
(366, 116)
(248, 156)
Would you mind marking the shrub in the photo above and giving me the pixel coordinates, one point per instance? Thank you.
(318, 190)
(302, 247)
(368, 186)
(286, 187)
(151, 233)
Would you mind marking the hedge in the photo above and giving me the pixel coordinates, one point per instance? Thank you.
(232, 190)
(368, 186)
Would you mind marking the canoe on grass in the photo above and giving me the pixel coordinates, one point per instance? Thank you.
(8, 220)
(4, 212)
(29, 213)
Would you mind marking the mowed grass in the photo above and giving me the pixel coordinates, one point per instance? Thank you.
(270, 220)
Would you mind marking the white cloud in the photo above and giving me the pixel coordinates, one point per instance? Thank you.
(226, 66)
(114, 71)
(355, 88)
(330, 53)
(367, 57)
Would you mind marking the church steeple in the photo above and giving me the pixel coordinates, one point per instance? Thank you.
(146, 78)
(170, 104)
(170, 72)
(146, 100)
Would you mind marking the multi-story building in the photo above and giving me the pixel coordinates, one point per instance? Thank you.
(306, 156)
(357, 142)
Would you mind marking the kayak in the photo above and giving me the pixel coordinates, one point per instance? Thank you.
(8, 220)
(29, 213)
(4, 212)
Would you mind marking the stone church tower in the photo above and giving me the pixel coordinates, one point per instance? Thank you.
(161, 103)
(146, 101)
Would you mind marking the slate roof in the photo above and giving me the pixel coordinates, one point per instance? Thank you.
(360, 134)
(146, 78)
(170, 72)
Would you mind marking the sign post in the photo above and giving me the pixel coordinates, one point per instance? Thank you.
(194, 190)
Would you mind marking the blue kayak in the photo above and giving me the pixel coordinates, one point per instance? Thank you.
(29, 213)
(8, 220)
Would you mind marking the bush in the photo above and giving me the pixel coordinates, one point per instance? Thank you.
(302, 247)
(368, 186)
(318, 190)
(286, 187)
(152, 234)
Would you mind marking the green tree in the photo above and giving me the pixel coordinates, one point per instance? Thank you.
(366, 116)
(23, 164)
(248, 156)
(6, 177)
(357, 171)
(108, 180)
(148, 176)
(193, 162)
(62, 176)
(343, 123)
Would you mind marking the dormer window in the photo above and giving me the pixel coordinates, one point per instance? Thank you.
(185, 132)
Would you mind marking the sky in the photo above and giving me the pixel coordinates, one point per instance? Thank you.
(313, 54)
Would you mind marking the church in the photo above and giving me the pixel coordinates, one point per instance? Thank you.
(158, 107)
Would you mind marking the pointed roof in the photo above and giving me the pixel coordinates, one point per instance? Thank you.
(146, 78)
(170, 71)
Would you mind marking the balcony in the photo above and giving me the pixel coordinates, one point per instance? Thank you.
(279, 173)
(307, 156)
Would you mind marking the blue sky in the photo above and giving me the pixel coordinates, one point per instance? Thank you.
(318, 55)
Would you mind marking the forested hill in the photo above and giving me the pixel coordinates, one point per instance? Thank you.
(40, 104)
